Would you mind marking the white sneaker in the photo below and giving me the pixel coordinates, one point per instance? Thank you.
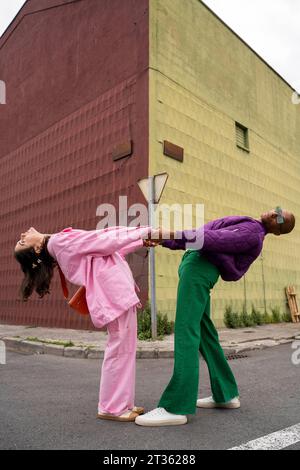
(209, 402)
(160, 417)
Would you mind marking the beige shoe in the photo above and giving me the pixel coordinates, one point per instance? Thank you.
(138, 409)
(128, 416)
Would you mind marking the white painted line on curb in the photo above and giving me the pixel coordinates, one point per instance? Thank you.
(275, 441)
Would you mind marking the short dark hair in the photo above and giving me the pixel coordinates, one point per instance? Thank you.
(288, 226)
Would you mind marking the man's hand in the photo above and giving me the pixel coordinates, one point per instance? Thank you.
(159, 235)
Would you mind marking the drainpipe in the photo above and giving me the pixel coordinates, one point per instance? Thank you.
(245, 295)
(263, 281)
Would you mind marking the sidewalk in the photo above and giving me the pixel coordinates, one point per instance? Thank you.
(91, 344)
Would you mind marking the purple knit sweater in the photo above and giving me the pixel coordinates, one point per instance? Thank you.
(230, 243)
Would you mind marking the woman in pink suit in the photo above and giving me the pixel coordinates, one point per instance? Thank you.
(95, 259)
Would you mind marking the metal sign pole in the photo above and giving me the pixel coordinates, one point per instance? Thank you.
(152, 261)
(152, 189)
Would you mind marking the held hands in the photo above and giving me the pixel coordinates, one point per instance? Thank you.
(150, 243)
(156, 238)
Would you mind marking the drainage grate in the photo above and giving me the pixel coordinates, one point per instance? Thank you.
(231, 357)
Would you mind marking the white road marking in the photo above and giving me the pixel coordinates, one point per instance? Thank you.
(275, 441)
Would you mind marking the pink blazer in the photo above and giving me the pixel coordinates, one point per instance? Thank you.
(96, 259)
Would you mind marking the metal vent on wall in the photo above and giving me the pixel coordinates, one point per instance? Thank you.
(173, 151)
(122, 150)
(242, 140)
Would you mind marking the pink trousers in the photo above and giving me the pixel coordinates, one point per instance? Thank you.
(117, 383)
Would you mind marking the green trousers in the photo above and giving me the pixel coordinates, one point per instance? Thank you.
(194, 332)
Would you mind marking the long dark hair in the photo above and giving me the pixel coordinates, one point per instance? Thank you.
(36, 278)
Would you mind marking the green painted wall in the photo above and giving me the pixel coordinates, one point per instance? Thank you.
(203, 79)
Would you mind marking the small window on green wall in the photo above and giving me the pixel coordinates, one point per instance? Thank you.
(242, 137)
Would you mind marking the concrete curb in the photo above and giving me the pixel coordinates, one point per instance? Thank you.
(23, 346)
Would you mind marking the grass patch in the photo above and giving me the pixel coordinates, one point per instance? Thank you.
(66, 344)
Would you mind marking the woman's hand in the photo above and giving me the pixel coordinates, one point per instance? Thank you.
(157, 236)
(150, 243)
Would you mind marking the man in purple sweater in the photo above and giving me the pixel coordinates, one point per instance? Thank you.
(228, 246)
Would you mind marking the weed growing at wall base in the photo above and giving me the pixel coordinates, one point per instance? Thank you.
(164, 325)
(234, 319)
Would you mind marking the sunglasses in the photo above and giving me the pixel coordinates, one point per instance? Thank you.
(279, 218)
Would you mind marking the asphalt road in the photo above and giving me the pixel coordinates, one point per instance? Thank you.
(49, 402)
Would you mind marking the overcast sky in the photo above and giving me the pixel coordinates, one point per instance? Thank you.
(270, 27)
(8, 10)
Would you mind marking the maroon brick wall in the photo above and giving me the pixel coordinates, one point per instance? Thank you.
(77, 85)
